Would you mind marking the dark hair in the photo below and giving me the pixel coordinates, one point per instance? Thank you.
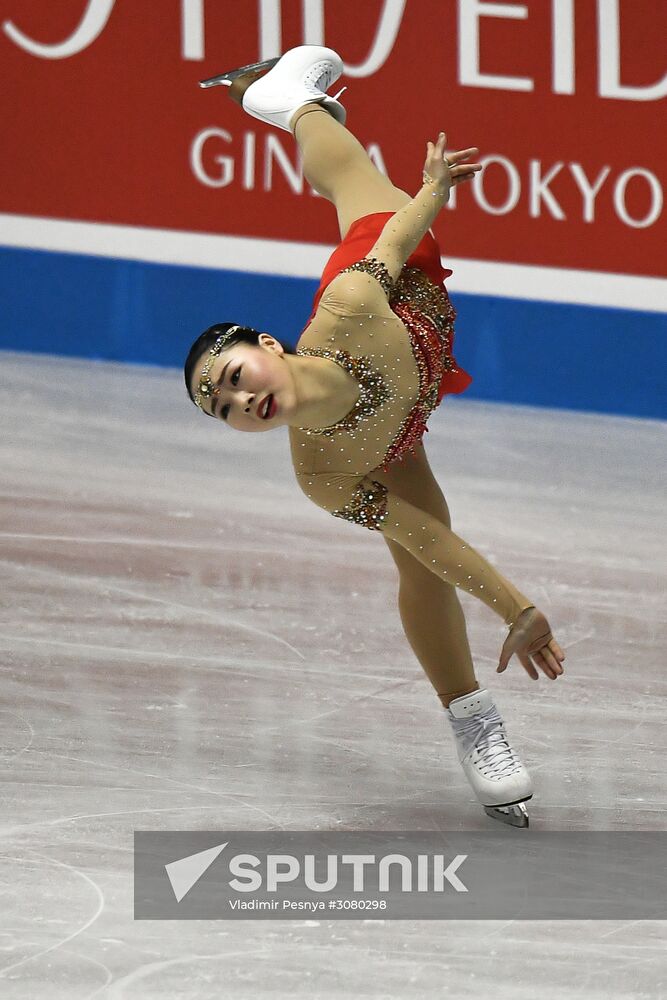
(204, 343)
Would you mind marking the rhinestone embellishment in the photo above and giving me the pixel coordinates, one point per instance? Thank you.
(377, 270)
(373, 389)
(428, 315)
(367, 507)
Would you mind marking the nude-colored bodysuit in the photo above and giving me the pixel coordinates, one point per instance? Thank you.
(356, 327)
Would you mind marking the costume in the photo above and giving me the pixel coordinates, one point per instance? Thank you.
(387, 320)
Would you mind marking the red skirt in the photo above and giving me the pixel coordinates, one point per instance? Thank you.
(360, 238)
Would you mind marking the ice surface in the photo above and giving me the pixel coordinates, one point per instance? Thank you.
(189, 643)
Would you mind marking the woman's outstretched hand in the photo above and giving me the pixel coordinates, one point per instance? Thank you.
(448, 169)
(531, 636)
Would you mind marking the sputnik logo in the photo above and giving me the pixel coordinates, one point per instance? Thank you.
(185, 872)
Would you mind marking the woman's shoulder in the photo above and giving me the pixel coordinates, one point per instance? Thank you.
(361, 288)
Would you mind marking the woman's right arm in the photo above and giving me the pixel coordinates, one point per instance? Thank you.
(407, 227)
(367, 502)
(371, 504)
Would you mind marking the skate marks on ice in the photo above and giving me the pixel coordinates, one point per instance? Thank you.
(182, 651)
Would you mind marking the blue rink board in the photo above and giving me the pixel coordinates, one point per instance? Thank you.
(518, 351)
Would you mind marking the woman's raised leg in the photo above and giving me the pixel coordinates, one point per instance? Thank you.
(338, 167)
(430, 609)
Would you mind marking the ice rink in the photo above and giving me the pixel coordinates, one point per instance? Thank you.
(189, 643)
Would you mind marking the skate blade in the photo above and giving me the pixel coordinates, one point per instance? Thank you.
(515, 815)
(227, 79)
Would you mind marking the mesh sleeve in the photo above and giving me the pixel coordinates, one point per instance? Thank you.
(369, 503)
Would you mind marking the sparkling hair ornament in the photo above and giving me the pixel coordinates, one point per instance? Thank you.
(205, 388)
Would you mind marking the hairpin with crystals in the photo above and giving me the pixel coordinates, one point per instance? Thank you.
(206, 387)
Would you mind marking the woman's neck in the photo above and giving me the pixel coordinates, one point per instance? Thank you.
(325, 392)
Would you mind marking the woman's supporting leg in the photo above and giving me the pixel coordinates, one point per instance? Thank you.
(434, 625)
(430, 610)
(338, 167)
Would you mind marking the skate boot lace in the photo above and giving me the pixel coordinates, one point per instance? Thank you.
(485, 733)
(319, 76)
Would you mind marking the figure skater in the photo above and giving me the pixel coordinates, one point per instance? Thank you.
(371, 365)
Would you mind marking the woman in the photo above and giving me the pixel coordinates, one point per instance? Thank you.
(373, 362)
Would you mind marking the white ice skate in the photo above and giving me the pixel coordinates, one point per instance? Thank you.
(497, 776)
(275, 89)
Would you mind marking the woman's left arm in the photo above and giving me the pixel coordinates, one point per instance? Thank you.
(407, 227)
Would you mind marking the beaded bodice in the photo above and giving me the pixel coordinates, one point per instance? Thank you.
(427, 317)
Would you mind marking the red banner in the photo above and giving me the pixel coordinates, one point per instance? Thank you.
(104, 121)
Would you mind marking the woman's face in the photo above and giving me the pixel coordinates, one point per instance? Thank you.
(244, 377)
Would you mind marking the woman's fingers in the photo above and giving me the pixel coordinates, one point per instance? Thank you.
(552, 661)
(461, 154)
(548, 663)
(454, 157)
(528, 667)
(457, 178)
(506, 654)
(465, 168)
(522, 638)
(438, 147)
(556, 650)
(459, 169)
(544, 665)
(552, 655)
